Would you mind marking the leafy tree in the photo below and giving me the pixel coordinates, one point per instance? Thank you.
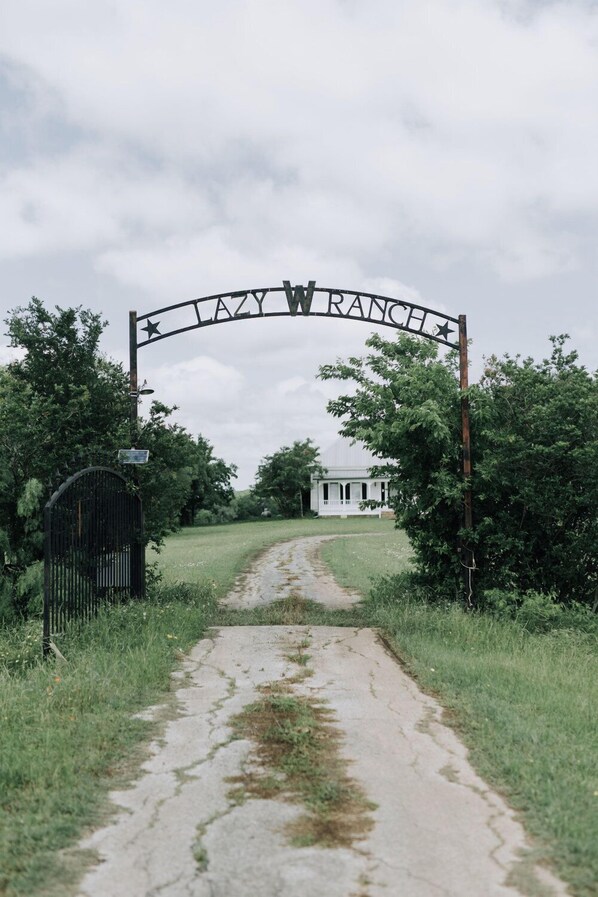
(285, 477)
(210, 488)
(536, 479)
(535, 456)
(165, 481)
(64, 406)
(79, 397)
(249, 506)
(62, 401)
(407, 408)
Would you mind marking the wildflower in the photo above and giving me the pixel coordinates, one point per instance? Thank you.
(57, 679)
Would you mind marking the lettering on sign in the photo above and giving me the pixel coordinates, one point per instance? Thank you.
(298, 301)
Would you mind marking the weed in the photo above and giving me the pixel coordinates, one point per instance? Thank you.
(299, 658)
(200, 855)
(295, 736)
(293, 610)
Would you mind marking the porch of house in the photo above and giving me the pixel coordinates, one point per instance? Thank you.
(343, 498)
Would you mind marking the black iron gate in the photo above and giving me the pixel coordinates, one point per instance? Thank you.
(93, 547)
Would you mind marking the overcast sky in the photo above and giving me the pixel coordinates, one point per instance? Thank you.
(444, 151)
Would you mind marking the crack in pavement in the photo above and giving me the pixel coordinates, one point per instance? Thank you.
(438, 828)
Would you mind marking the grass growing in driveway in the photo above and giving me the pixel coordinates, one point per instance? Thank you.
(298, 747)
(293, 610)
(66, 729)
(526, 704)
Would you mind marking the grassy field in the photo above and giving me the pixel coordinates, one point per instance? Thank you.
(217, 553)
(357, 564)
(67, 733)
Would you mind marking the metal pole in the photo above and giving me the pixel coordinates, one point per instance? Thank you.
(137, 553)
(133, 378)
(48, 591)
(467, 558)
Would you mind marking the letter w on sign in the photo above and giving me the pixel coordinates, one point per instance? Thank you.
(299, 296)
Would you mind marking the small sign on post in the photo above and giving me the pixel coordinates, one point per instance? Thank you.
(133, 456)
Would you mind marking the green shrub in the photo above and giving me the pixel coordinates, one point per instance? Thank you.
(534, 433)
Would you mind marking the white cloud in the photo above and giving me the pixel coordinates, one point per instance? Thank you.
(202, 381)
(352, 126)
(441, 152)
(8, 354)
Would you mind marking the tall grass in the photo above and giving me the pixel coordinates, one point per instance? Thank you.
(526, 704)
(68, 733)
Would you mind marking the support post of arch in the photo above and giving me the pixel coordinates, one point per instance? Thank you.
(467, 556)
(133, 377)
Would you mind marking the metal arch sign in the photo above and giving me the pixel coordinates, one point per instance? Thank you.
(298, 301)
(322, 302)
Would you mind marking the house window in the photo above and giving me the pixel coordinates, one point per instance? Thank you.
(383, 493)
(325, 491)
(347, 492)
(364, 491)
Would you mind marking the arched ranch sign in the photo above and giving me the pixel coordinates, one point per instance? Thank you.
(311, 301)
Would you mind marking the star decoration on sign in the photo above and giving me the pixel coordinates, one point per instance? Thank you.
(151, 329)
(444, 330)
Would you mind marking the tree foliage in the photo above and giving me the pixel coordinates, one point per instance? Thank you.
(284, 478)
(210, 488)
(64, 406)
(70, 401)
(61, 401)
(536, 480)
(535, 457)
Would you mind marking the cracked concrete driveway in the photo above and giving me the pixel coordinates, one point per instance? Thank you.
(291, 568)
(181, 829)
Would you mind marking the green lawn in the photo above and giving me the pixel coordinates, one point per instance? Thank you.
(218, 553)
(357, 563)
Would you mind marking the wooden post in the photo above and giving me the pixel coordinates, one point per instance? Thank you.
(467, 558)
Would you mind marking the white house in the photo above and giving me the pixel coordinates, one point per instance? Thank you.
(347, 482)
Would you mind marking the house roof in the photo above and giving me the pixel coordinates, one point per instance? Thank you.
(346, 455)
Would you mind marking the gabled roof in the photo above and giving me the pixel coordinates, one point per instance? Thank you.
(346, 454)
